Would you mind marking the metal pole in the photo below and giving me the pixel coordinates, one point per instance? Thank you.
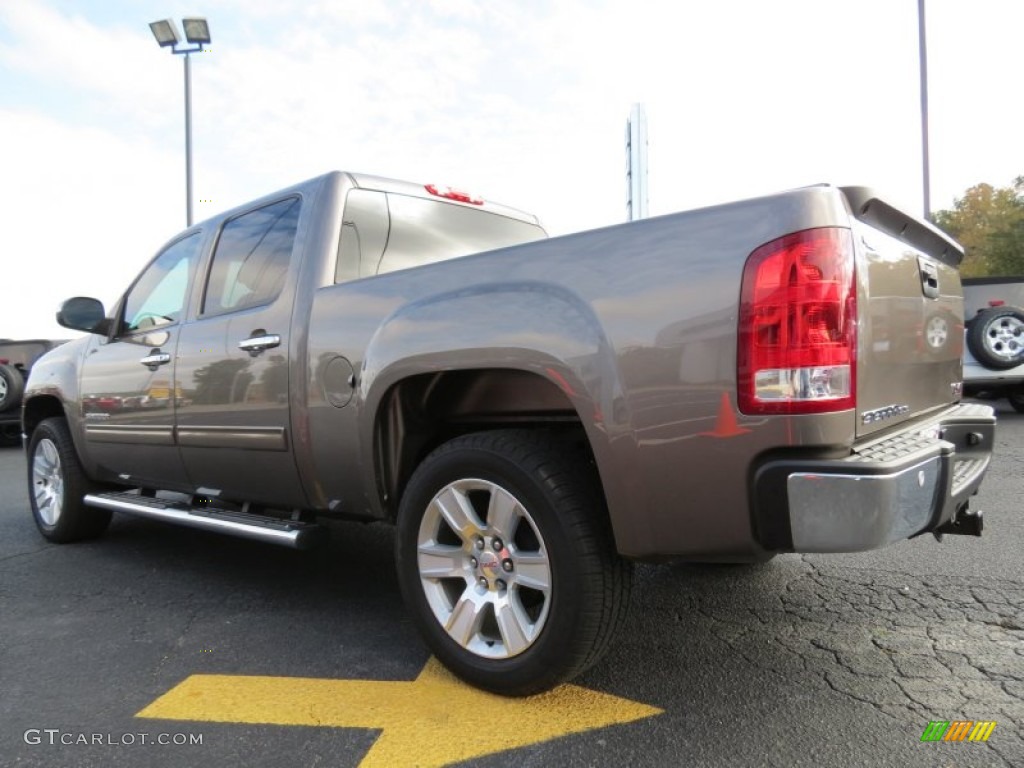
(188, 140)
(923, 49)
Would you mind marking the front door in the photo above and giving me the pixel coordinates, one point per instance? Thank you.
(233, 426)
(127, 392)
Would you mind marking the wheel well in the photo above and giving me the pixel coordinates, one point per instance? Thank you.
(420, 413)
(39, 408)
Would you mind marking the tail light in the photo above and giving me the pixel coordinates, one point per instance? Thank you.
(797, 325)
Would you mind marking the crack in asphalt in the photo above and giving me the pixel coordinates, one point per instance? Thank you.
(912, 648)
(30, 552)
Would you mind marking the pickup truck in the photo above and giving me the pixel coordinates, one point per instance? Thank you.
(533, 414)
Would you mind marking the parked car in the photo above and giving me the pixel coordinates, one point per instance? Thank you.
(16, 358)
(994, 338)
(532, 414)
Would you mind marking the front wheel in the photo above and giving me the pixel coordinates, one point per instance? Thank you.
(57, 485)
(506, 561)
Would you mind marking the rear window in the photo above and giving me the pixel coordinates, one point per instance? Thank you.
(388, 232)
(424, 231)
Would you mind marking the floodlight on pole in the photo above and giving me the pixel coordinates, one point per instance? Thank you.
(165, 32)
(197, 33)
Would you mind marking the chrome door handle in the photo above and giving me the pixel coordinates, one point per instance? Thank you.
(155, 359)
(256, 344)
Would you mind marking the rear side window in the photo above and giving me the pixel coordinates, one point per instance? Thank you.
(252, 257)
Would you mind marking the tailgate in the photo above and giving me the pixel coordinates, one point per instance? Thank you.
(911, 315)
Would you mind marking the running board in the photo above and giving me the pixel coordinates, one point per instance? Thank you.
(288, 533)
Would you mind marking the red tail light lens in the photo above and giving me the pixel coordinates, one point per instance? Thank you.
(797, 325)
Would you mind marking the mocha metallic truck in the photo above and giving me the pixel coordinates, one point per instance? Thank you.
(532, 414)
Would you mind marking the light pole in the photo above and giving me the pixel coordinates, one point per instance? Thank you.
(923, 51)
(197, 33)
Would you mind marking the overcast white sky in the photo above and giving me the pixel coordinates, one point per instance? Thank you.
(523, 102)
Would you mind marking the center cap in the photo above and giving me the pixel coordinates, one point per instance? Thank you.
(489, 564)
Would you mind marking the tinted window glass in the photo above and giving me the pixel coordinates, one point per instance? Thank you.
(424, 231)
(251, 261)
(158, 296)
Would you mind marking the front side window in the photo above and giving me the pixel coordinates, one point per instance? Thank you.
(252, 257)
(158, 296)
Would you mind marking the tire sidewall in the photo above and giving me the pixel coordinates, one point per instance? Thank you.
(47, 431)
(555, 639)
(76, 521)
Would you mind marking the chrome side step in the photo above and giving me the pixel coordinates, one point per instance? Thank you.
(288, 533)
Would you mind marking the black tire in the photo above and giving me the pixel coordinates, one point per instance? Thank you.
(556, 520)
(10, 435)
(995, 337)
(12, 387)
(57, 485)
(1016, 398)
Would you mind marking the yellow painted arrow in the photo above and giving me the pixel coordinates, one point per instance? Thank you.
(431, 721)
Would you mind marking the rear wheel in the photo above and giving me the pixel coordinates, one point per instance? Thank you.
(506, 560)
(1016, 398)
(57, 485)
(10, 435)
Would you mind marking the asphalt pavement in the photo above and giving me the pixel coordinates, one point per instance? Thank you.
(830, 660)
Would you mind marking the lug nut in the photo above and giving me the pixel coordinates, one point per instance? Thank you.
(497, 545)
(479, 542)
(472, 562)
(501, 585)
(482, 583)
(506, 565)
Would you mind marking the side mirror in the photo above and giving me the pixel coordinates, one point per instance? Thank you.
(83, 314)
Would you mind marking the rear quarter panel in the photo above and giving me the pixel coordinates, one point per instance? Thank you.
(639, 319)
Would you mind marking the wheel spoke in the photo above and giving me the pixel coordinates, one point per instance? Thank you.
(47, 481)
(486, 575)
(515, 627)
(52, 458)
(439, 561)
(532, 570)
(503, 514)
(458, 513)
(464, 623)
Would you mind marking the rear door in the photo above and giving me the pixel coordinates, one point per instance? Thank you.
(232, 372)
(911, 317)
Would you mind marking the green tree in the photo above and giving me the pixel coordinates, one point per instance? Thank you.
(989, 223)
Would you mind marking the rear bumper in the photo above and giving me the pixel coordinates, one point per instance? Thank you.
(889, 489)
